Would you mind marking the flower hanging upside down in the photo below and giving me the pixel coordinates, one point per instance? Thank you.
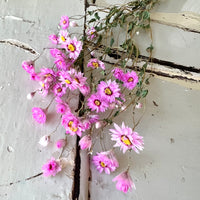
(38, 115)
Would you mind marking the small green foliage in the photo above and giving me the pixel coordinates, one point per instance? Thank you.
(112, 41)
(116, 113)
(144, 93)
(96, 15)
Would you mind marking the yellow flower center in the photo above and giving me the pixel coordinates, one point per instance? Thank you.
(102, 164)
(95, 64)
(71, 47)
(62, 38)
(70, 123)
(74, 129)
(108, 91)
(91, 32)
(67, 81)
(59, 90)
(130, 79)
(64, 22)
(47, 75)
(97, 102)
(43, 85)
(126, 140)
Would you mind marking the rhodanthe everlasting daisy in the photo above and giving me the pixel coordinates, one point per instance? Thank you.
(118, 73)
(67, 80)
(53, 38)
(38, 115)
(95, 63)
(130, 80)
(61, 143)
(85, 142)
(126, 139)
(72, 124)
(28, 66)
(44, 141)
(62, 36)
(64, 22)
(96, 103)
(108, 90)
(51, 168)
(73, 47)
(59, 90)
(124, 182)
(91, 33)
(105, 161)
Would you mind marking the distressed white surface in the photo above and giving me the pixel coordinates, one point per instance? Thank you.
(29, 22)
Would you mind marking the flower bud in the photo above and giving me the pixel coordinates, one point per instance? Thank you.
(44, 141)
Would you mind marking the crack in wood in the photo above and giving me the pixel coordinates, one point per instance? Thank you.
(19, 181)
(11, 17)
(20, 45)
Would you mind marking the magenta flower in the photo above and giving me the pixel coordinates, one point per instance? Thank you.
(56, 53)
(95, 63)
(126, 139)
(63, 35)
(51, 168)
(130, 80)
(85, 142)
(47, 75)
(91, 33)
(61, 143)
(67, 80)
(124, 182)
(59, 90)
(64, 22)
(62, 108)
(53, 38)
(105, 161)
(96, 103)
(28, 66)
(78, 78)
(118, 73)
(73, 47)
(71, 124)
(108, 90)
(38, 115)
(85, 90)
(34, 77)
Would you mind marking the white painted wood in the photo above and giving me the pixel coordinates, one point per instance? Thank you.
(27, 24)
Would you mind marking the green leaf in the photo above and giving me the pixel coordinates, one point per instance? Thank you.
(107, 50)
(146, 15)
(99, 39)
(116, 113)
(90, 12)
(144, 93)
(96, 15)
(119, 99)
(138, 92)
(92, 20)
(150, 49)
(112, 41)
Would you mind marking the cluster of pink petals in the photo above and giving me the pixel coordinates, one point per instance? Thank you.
(38, 115)
(95, 63)
(105, 161)
(126, 138)
(64, 22)
(124, 182)
(85, 142)
(51, 168)
(61, 143)
(91, 33)
(129, 79)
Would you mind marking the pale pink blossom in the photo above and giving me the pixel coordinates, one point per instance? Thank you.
(61, 143)
(124, 182)
(138, 105)
(85, 142)
(64, 22)
(28, 66)
(53, 38)
(38, 115)
(73, 24)
(51, 168)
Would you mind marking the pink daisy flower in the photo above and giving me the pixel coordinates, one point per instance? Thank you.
(64, 22)
(79, 79)
(71, 124)
(60, 64)
(118, 73)
(53, 38)
(51, 168)
(61, 143)
(47, 75)
(130, 80)
(105, 161)
(38, 115)
(85, 142)
(126, 139)
(108, 90)
(56, 53)
(95, 63)
(124, 182)
(34, 77)
(93, 118)
(62, 36)
(91, 33)
(85, 90)
(44, 90)
(59, 90)
(28, 66)
(73, 47)
(96, 103)
(67, 80)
